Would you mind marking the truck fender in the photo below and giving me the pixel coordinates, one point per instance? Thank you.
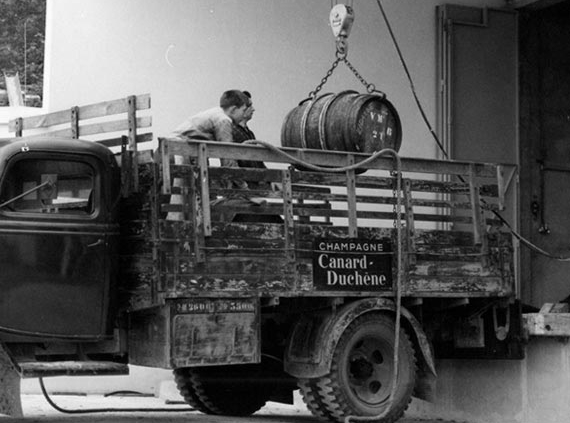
(314, 337)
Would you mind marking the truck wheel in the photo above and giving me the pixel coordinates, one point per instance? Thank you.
(360, 378)
(187, 386)
(223, 390)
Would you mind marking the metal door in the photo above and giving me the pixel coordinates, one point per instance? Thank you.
(478, 96)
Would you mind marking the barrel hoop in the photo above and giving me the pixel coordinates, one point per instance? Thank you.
(284, 127)
(304, 123)
(352, 115)
(322, 121)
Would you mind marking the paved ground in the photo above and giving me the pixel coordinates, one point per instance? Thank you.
(37, 410)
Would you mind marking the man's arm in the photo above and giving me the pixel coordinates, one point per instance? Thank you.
(224, 133)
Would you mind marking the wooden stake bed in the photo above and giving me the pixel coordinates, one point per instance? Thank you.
(178, 242)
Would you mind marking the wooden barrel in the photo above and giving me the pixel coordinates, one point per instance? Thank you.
(347, 121)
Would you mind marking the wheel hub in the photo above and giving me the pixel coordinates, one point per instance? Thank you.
(369, 371)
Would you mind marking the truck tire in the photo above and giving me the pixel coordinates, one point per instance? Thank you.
(359, 380)
(222, 390)
(187, 385)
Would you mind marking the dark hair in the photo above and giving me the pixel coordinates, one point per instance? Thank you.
(248, 95)
(233, 98)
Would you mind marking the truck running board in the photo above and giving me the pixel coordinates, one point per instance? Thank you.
(72, 368)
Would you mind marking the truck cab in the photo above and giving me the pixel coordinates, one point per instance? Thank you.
(58, 239)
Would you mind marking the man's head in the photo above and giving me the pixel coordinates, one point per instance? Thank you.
(235, 103)
(250, 109)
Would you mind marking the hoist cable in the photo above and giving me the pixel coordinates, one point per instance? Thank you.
(518, 236)
(410, 80)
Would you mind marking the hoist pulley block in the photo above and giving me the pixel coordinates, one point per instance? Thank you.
(341, 18)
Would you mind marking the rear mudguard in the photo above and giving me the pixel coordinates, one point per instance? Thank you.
(313, 339)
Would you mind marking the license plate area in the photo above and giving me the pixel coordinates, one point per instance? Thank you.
(215, 331)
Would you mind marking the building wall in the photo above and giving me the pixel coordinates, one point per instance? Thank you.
(545, 150)
(187, 52)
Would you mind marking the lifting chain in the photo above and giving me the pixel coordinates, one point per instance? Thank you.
(313, 94)
(341, 53)
(341, 19)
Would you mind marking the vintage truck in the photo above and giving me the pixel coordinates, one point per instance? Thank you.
(346, 282)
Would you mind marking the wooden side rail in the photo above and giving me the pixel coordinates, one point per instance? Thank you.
(115, 123)
(463, 200)
(501, 174)
(92, 121)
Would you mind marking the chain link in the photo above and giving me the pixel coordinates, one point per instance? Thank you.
(314, 93)
(370, 88)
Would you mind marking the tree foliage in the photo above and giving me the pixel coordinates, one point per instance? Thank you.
(22, 36)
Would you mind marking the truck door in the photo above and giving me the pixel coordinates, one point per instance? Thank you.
(57, 237)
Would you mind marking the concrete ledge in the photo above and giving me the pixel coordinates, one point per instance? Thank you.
(536, 389)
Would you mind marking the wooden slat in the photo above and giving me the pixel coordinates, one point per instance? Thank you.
(310, 179)
(288, 212)
(476, 210)
(114, 142)
(410, 226)
(204, 189)
(72, 368)
(86, 112)
(479, 234)
(330, 158)
(156, 280)
(361, 199)
(194, 187)
(42, 121)
(547, 324)
(317, 210)
(74, 120)
(113, 126)
(165, 155)
(454, 286)
(113, 107)
(126, 170)
(132, 135)
(97, 128)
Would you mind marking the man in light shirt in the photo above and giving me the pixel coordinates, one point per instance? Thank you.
(216, 124)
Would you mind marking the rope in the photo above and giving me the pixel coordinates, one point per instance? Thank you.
(317, 168)
(398, 300)
(400, 260)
